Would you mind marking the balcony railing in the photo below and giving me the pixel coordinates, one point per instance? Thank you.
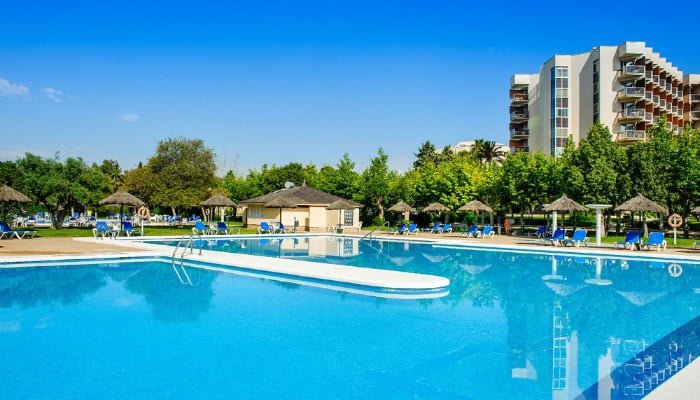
(519, 115)
(648, 96)
(632, 92)
(633, 113)
(519, 132)
(657, 99)
(518, 98)
(662, 103)
(694, 115)
(632, 72)
(648, 75)
(655, 78)
(632, 135)
(695, 98)
(649, 117)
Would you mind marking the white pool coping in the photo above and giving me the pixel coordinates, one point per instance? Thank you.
(353, 275)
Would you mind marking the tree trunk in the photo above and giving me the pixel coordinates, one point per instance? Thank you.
(686, 226)
(380, 207)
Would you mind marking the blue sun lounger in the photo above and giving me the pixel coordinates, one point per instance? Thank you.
(221, 227)
(578, 238)
(487, 231)
(472, 231)
(655, 239)
(632, 238)
(264, 228)
(6, 230)
(557, 237)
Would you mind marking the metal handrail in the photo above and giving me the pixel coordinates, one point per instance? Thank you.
(374, 230)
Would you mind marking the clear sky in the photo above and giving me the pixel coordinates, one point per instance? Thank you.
(280, 81)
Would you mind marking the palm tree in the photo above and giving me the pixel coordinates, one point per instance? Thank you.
(488, 151)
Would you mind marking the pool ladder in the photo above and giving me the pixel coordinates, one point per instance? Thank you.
(180, 251)
(371, 233)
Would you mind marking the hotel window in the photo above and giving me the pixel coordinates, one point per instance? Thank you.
(596, 91)
(559, 120)
(347, 217)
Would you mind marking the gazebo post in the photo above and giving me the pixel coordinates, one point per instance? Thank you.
(554, 221)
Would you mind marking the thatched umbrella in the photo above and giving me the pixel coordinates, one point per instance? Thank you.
(122, 199)
(476, 206)
(283, 202)
(402, 207)
(218, 200)
(641, 205)
(9, 195)
(341, 205)
(436, 207)
(564, 203)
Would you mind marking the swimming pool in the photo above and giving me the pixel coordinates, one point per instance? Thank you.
(514, 325)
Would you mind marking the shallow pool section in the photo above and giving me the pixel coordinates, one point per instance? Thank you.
(514, 325)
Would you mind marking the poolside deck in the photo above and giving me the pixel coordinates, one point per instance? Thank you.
(55, 246)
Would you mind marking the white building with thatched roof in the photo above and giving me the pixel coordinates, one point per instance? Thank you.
(310, 214)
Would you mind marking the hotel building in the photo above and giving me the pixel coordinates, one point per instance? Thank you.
(626, 87)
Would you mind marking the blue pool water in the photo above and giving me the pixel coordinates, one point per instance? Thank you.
(514, 326)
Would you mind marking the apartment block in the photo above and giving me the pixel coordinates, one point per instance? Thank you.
(626, 87)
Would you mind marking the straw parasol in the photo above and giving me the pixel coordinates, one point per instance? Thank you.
(218, 200)
(341, 205)
(476, 206)
(402, 207)
(641, 204)
(283, 202)
(122, 199)
(564, 203)
(9, 195)
(437, 208)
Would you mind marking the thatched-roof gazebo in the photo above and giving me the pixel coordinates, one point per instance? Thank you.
(436, 207)
(9, 195)
(477, 207)
(122, 199)
(641, 204)
(283, 202)
(218, 200)
(402, 208)
(564, 203)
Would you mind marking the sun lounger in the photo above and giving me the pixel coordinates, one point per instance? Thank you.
(5, 230)
(487, 231)
(655, 239)
(557, 237)
(632, 238)
(540, 233)
(400, 230)
(435, 228)
(264, 228)
(578, 238)
(412, 228)
(472, 231)
(129, 229)
(221, 227)
(447, 228)
(102, 230)
(199, 228)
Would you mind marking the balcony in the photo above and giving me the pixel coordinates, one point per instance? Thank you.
(518, 99)
(649, 117)
(632, 114)
(632, 135)
(631, 93)
(631, 72)
(695, 98)
(657, 100)
(648, 96)
(519, 116)
(648, 76)
(662, 103)
(519, 133)
(694, 115)
(655, 78)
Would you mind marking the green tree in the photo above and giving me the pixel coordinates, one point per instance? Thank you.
(427, 154)
(488, 151)
(186, 169)
(61, 186)
(375, 183)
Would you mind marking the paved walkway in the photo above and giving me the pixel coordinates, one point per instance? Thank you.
(56, 246)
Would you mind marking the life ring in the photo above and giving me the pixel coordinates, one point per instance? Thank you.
(143, 212)
(675, 270)
(675, 220)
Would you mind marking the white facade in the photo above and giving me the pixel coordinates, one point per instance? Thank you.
(626, 88)
(467, 145)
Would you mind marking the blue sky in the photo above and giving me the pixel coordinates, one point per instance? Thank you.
(282, 81)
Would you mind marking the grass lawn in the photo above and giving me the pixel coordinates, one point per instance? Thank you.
(148, 231)
(680, 243)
